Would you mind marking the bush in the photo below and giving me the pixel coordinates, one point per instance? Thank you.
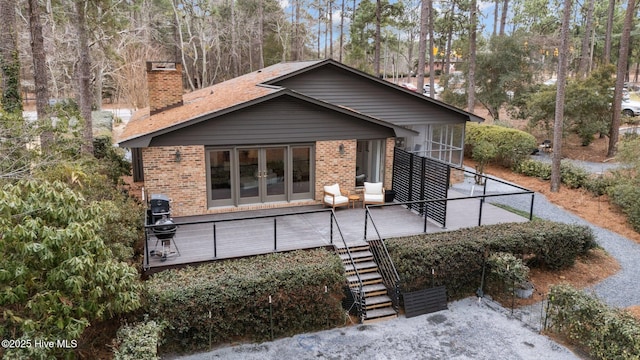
(572, 176)
(138, 341)
(626, 194)
(606, 333)
(250, 299)
(513, 145)
(456, 257)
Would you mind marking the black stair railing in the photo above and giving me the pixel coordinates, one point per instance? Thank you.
(358, 291)
(386, 268)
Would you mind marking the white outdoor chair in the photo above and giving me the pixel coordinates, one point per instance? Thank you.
(373, 193)
(333, 197)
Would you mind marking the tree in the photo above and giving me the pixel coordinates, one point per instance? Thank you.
(471, 83)
(583, 65)
(9, 61)
(85, 95)
(623, 59)
(57, 275)
(39, 70)
(503, 69)
(561, 83)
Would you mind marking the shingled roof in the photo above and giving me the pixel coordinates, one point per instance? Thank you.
(211, 99)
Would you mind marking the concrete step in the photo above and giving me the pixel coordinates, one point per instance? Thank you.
(362, 267)
(357, 256)
(377, 315)
(374, 289)
(375, 302)
(367, 279)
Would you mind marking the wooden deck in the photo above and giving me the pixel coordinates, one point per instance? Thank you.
(239, 238)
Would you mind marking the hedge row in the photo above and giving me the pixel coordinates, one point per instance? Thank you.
(572, 176)
(230, 300)
(512, 145)
(456, 257)
(138, 341)
(607, 333)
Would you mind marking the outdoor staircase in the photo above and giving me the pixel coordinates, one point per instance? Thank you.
(377, 305)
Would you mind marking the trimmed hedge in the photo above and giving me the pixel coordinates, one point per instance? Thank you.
(229, 300)
(512, 145)
(457, 256)
(572, 176)
(607, 333)
(138, 341)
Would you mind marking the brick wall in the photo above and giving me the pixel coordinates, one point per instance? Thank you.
(165, 86)
(332, 167)
(184, 182)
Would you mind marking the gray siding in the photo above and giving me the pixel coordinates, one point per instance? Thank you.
(338, 86)
(281, 120)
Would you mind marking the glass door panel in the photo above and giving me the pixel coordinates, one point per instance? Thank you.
(220, 177)
(249, 175)
(301, 171)
(273, 174)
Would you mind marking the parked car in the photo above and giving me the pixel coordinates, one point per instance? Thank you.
(409, 86)
(426, 89)
(630, 107)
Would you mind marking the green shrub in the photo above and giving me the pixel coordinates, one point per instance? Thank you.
(512, 145)
(138, 341)
(507, 268)
(230, 300)
(456, 257)
(572, 176)
(626, 194)
(607, 333)
(598, 185)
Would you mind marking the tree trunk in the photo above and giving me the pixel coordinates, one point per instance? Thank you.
(341, 32)
(39, 71)
(583, 65)
(422, 43)
(84, 77)
(260, 34)
(503, 17)
(432, 72)
(496, 10)
(560, 94)
(9, 60)
(376, 45)
(607, 37)
(623, 59)
(330, 29)
(471, 85)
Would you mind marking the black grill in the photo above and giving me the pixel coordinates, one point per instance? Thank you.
(160, 214)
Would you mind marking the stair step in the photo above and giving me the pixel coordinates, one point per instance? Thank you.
(374, 289)
(367, 278)
(374, 302)
(362, 267)
(359, 246)
(380, 315)
(357, 256)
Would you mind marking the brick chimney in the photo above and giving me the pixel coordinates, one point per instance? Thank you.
(164, 80)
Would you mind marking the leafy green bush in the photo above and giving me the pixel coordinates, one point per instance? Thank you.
(138, 341)
(507, 268)
(607, 333)
(572, 176)
(512, 145)
(250, 299)
(456, 257)
(626, 194)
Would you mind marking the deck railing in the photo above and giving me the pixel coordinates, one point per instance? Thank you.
(390, 277)
(149, 228)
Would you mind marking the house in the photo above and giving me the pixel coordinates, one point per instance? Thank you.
(276, 136)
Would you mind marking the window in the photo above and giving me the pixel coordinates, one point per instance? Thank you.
(442, 142)
(370, 161)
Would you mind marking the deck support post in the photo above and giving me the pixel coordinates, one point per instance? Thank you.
(215, 246)
(275, 235)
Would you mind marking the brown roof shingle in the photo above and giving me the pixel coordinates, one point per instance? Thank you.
(211, 99)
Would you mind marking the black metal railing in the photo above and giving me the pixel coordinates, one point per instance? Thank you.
(358, 293)
(424, 204)
(386, 268)
(215, 236)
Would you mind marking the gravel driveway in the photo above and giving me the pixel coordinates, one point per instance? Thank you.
(468, 329)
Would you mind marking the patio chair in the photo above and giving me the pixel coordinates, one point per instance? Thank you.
(334, 197)
(373, 193)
